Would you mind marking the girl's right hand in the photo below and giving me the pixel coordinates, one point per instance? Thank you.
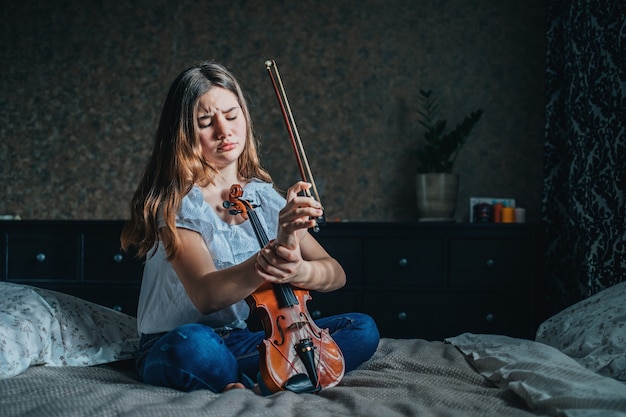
(297, 216)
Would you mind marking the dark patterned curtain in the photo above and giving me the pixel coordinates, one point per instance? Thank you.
(585, 160)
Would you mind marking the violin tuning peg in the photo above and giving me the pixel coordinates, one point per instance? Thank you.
(233, 212)
(227, 204)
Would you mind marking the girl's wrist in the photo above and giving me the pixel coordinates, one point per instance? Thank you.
(272, 245)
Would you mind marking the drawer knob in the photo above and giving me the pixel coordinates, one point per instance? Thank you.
(402, 315)
(40, 257)
(118, 258)
(490, 318)
(403, 262)
(489, 263)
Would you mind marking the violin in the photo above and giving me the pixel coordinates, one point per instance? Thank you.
(296, 355)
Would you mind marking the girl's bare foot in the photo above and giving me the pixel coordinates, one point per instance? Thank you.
(234, 385)
(239, 385)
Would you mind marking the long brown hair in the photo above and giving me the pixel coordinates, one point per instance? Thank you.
(177, 163)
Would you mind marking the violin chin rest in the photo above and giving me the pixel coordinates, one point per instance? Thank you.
(300, 384)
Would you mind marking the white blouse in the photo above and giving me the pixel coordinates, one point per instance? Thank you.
(163, 301)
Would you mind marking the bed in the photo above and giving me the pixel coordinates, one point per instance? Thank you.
(63, 356)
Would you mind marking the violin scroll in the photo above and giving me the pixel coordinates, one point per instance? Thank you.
(236, 203)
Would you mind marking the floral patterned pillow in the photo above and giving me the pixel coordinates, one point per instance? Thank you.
(592, 331)
(43, 327)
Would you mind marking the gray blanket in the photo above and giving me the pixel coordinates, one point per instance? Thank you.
(404, 378)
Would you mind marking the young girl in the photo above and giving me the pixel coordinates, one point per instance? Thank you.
(201, 261)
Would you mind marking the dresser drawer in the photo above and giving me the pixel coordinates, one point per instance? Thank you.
(122, 298)
(347, 251)
(506, 313)
(435, 316)
(41, 255)
(490, 263)
(331, 303)
(105, 261)
(404, 262)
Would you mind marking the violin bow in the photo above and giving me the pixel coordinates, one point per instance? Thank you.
(292, 130)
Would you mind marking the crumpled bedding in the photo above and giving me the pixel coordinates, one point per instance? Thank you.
(405, 377)
(469, 375)
(545, 378)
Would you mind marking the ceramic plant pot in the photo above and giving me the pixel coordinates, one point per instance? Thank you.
(437, 196)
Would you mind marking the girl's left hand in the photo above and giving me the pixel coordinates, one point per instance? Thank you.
(279, 264)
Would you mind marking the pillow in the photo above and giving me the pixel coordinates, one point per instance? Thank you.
(43, 327)
(592, 332)
(550, 382)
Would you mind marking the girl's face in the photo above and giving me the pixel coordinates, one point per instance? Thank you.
(221, 126)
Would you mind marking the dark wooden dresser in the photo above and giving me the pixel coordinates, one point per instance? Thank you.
(435, 280)
(423, 280)
(81, 258)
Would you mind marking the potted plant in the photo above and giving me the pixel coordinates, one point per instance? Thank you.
(437, 186)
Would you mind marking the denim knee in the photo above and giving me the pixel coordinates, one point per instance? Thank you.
(367, 342)
(189, 358)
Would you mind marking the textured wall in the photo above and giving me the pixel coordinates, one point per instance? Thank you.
(83, 82)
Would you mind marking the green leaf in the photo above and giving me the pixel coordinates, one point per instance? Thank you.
(439, 150)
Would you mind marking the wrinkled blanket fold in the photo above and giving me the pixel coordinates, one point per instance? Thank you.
(404, 378)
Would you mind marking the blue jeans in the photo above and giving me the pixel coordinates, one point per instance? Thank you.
(194, 356)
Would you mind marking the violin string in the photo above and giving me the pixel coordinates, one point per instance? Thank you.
(286, 291)
(256, 224)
